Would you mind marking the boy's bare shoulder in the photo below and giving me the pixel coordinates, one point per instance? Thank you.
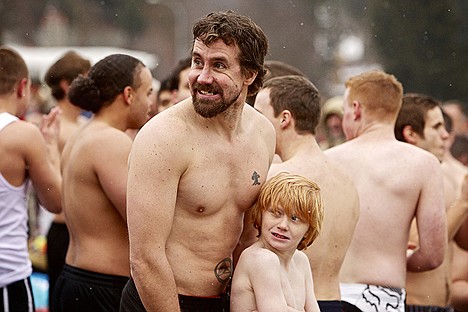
(259, 257)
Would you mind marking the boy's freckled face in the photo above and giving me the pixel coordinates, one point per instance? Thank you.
(281, 231)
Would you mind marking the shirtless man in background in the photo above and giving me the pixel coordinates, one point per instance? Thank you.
(94, 165)
(195, 170)
(292, 104)
(421, 123)
(396, 182)
(59, 77)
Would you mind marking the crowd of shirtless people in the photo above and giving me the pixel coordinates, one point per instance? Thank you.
(214, 191)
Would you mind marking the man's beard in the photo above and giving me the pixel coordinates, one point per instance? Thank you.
(209, 108)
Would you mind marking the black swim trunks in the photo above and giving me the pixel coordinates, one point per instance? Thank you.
(330, 305)
(58, 239)
(416, 308)
(131, 302)
(81, 290)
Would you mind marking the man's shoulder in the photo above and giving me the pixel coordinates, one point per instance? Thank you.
(20, 129)
(257, 121)
(252, 114)
(173, 118)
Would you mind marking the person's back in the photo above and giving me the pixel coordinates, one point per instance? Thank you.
(25, 155)
(327, 253)
(395, 182)
(296, 113)
(58, 77)
(421, 123)
(94, 166)
(97, 229)
(18, 152)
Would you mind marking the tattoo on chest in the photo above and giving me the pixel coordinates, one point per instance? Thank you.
(223, 270)
(255, 177)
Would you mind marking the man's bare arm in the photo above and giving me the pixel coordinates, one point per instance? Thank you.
(431, 222)
(43, 161)
(151, 197)
(458, 211)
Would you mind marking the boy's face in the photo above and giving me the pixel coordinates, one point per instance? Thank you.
(282, 232)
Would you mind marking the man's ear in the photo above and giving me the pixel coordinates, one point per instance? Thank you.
(250, 77)
(22, 88)
(128, 95)
(286, 119)
(357, 110)
(64, 85)
(409, 135)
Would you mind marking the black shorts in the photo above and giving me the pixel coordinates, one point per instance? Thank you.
(57, 245)
(81, 290)
(17, 296)
(330, 306)
(131, 302)
(415, 308)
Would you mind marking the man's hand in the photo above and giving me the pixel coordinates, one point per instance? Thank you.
(50, 126)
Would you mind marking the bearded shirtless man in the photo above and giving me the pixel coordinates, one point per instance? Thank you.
(195, 169)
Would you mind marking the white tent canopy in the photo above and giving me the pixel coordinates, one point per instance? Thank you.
(39, 59)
